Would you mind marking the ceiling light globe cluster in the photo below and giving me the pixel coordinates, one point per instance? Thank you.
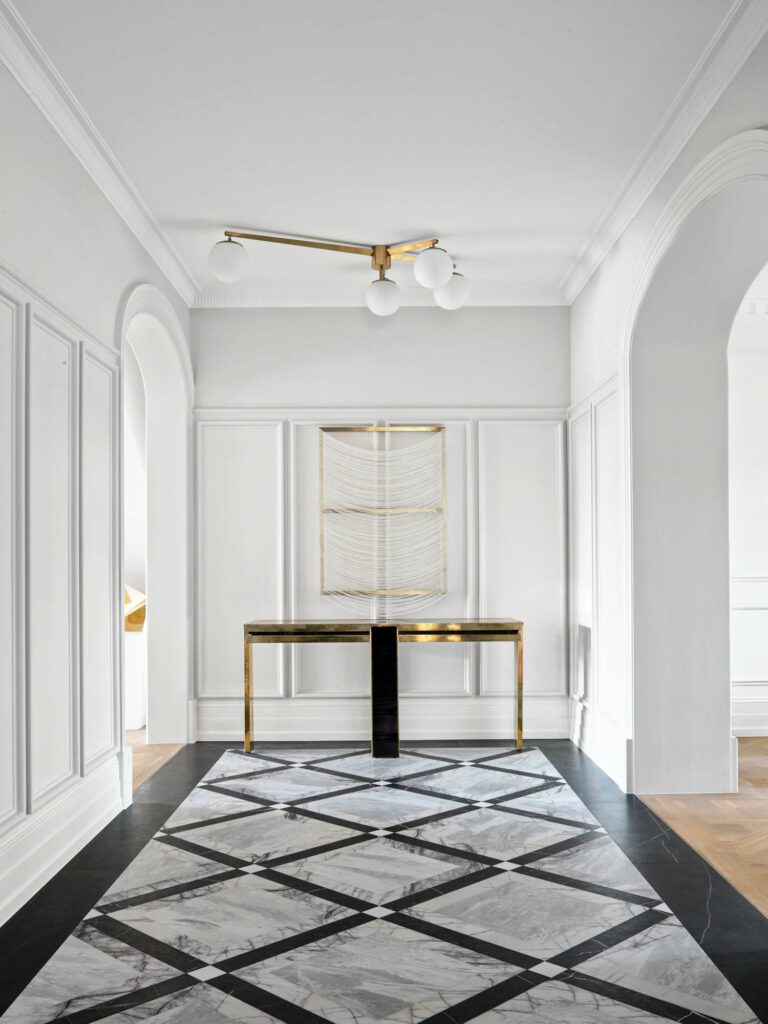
(433, 268)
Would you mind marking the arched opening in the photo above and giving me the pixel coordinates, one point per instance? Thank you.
(152, 336)
(677, 386)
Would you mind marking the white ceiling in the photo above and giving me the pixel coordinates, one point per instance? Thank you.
(506, 127)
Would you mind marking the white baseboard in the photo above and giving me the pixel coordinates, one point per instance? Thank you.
(603, 742)
(34, 850)
(749, 714)
(328, 718)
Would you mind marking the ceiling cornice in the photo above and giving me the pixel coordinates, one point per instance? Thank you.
(736, 39)
(33, 70)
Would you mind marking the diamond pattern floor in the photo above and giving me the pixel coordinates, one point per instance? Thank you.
(450, 885)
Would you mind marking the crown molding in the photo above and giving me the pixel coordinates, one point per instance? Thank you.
(33, 70)
(736, 39)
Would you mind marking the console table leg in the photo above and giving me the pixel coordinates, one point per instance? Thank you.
(247, 696)
(385, 728)
(520, 692)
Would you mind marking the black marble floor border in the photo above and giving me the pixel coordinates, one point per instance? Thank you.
(730, 929)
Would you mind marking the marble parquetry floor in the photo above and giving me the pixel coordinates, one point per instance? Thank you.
(445, 886)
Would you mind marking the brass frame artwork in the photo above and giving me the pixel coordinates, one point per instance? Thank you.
(400, 428)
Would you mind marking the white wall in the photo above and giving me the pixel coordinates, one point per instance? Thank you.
(599, 471)
(265, 381)
(134, 474)
(67, 262)
(748, 490)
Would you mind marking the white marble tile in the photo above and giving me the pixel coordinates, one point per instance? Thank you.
(528, 761)
(556, 1002)
(294, 755)
(378, 973)
(472, 783)
(558, 802)
(265, 836)
(234, 762)
(202, 805)
(379, 870)
(89, 968)
(664, 961)
(287, 784)
(382, 767)
(494, 833)
(231, 917)
(526, 914)
(200, 1004)
(600, 862)
(157, 867)
(382, 807)
(460, 753)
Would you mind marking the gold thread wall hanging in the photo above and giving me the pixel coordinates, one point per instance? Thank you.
(383, 516)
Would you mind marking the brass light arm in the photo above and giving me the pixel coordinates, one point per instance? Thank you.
(380, 254)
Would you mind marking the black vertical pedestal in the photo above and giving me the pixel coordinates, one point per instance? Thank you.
(385, 726)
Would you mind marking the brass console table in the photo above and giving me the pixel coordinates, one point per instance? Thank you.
(384, 638)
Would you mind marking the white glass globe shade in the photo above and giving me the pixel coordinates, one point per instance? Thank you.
(382, 297)
(454, 294)
(228, 260)
(433, 267)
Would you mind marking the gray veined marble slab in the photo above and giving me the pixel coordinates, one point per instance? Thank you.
(493, 833)
(202, 805)
(600, 862)
(200, 1004)
(227, 918)
(382, 767)
(527, 761)
(558, 802)
(664, 961)
(459, 753)
(286, 784)
(382, 807)
(526, 914)
(304, 755)
(265, 836)
(233, 762)
(89, 968)
(378, 973)
(159, 866)
(556, 1002)
(380, 870)
(472, 783)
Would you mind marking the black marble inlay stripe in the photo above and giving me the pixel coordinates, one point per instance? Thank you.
(427, 819)
(192, 825)
(490, 949)
(203, 851)
(453, 851)
(266, 802)
(127, 1001)
(171, 890)
(329, 819)
(638, 1000)
(598, 890)
(432, 893)
(487, 1000)
(147, 944)
(610, 937)
(313, 851)
(562, 847)
(546, 817)
(435, 794)
(265, 1001)
(531, 791)
(313, 889)
(323, 931)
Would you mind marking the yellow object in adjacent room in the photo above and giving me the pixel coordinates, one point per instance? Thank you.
(135, 609)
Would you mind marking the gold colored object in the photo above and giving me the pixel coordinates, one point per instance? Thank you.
(396, 428)
(134, 609)
(344, 631)
(380, 254)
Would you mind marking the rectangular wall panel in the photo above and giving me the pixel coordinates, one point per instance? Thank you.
(522, 550)
(239, 553)
(10, 682)
(580, 507)
(52, 575)
(98, 397)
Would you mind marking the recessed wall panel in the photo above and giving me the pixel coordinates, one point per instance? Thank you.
(51, 538)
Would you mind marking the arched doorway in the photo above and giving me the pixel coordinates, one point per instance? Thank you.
(150, 327)
(706, 250)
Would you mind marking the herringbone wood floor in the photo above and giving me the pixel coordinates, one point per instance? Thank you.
(729, 830)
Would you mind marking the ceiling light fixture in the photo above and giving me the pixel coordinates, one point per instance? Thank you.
(433, 267)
